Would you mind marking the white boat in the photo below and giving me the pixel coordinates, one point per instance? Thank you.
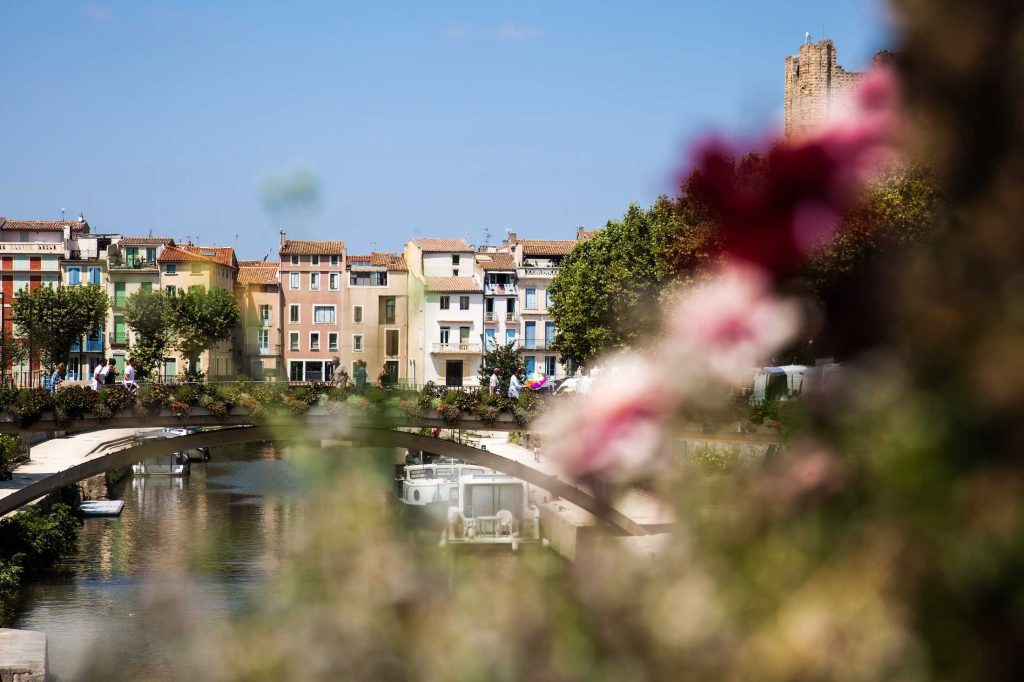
(176, 464)
(493, 509)
(101, 507)
(431, 487)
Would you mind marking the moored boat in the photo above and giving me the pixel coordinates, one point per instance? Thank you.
(431, 488)
(492, 509)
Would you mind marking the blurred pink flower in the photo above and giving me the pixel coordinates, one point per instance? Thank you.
(773, 215)
(730, 326)
(616, 431)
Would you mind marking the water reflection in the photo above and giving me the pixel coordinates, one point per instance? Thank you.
(214, 536)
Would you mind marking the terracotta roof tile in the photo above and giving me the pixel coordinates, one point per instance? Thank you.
(146, 241)
(257, 264)
(442, 245)
(187, 253)
(547, 247)
(258, 274)
(302, 247)
(496, 261)
(587, 234)
(391, 261)
(43, 225)
(453, 285)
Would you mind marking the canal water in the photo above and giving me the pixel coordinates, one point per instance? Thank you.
(217, 536)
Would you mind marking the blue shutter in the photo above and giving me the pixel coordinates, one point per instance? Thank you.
(74, 275)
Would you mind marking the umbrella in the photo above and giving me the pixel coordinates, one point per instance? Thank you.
(536, 380)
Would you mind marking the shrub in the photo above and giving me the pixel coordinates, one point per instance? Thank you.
(255, 408)
(10, 449)
(714, 459)
(522, 416)
(102, 411)
(117, 398)
(218, 408)
(411, 408)
(31, 404)
(190, 394)
(41, 539)
(8, 396)
(74, 402)
(152, 397)
(451, 414)
(180, 409)
(488, 414)
(295, 406)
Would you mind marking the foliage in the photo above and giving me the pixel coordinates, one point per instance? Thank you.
(450, 413)
(40, 538)
(12, 351)
(200, 319)
(147, 313)
(216, 407)
(712, 458)
(10, 449)
(152, 397)
(73, 402)
(488, 414)
(507, 358)
(31, 404)
(116, 397)
(54, 319)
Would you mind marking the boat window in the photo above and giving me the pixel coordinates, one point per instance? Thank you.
(486, 500)
(421, 473)
(444, 472)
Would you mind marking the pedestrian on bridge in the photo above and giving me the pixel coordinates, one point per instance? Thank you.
(129, 376)
(360, 377)
(99, 375)
(514, 385)
(492, 387)
(57, 377)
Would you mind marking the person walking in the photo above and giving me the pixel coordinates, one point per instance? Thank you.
(385, 378)
(57, 377)
(514, 385)
(360, 377)
(492, 387)
(111, 376)
(129, 376)
(99, 375)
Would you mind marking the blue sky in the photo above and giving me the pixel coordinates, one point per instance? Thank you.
(408, 118)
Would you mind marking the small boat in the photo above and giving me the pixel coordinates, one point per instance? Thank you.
(176, 464)
(431, 488)
(492, 509)
(101, 507)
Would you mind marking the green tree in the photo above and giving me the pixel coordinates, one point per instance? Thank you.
(201, 318)
(54, 319)
(12, 352)
(508, 361)
(147, 313)
(606, 292)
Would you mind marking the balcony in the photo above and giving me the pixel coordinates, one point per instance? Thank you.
(493, 289)
(535, 344)
(91, 346)
(494, 317)
(546, 272)
(135, 265)
(32, 247)
(456, 348)
(257, 349)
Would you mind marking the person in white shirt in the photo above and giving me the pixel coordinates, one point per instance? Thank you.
(99, 375)
(129, 376)
(492, 388)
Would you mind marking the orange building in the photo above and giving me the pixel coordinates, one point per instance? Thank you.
(313, 298)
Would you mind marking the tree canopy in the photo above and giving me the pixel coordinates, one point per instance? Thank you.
(201, 318)
(147, 313)
(54, 319)
(507, 358)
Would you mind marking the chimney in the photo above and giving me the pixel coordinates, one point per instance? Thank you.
(283, 240)
(511, 237)
(579, 232)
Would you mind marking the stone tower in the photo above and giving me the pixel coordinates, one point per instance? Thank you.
(815, 86)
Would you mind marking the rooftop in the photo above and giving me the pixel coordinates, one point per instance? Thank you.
(303, 247)
(442, 245)
(547, 247)
(496, 261)
(43, 225)
(146, 241)
(188, 253)
(453, 285)
(265, 273)
(391, 261)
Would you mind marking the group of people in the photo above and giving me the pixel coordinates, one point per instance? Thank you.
(105, 374)
(360, 376)
(515, 384)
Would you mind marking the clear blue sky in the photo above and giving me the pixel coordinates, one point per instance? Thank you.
(414, 118)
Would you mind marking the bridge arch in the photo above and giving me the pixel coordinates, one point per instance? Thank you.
(158, 447)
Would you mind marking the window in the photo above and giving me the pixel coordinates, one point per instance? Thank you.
(293, 280)
(550, 366)
(510, 335)
(357, 314)
(389, 310)
(74, 275)
(172, 269)
(265, 314)
(314, 340)
(120, 332)
(445, 335)
(357, 343)
(531, 335)
(549, 334)
(391, 342)
(197, 268)
(368, 279)
(464, 335)
(94, 275)
(445, 303)
(463, 302)
(455, 265)
(531, 299)
(293, 340)
(295, 370)
(489, 339)
(334, 260)
(334, 281)
(295, 260)
(547, 298)
(263, 338)
(530, 363)
(150, 254)
(119, 294)
(170, 289)
(323, 314)
(314, 281)
(131, 256)
(293, 313)
(314, 260)
(332, 341)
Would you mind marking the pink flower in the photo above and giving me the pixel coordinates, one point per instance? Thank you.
(775, 209)
(730, 326)
(617, 430)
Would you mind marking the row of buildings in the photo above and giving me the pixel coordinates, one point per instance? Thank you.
(426, 314)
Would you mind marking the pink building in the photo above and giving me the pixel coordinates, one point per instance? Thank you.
(312, 295)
